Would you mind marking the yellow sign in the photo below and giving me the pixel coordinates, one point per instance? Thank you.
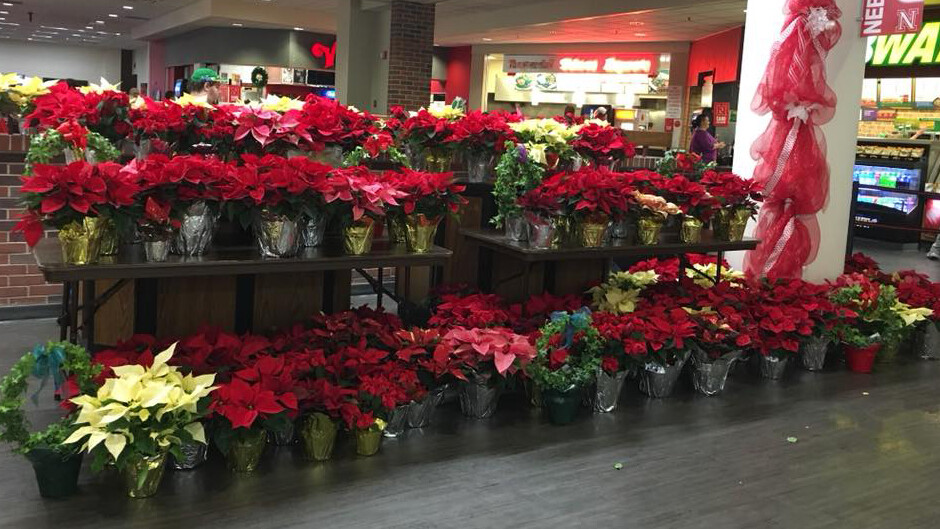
(905, 50)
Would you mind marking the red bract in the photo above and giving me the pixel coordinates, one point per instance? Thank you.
(602, 142)
(243, 403)
(730, 189)
(917, 290)
(474, 310)
(482, 132)
(586, 192)
(527, 318)
(362, 191)
(431, 194)
(74, 134)
(691, 197)
(426, 130)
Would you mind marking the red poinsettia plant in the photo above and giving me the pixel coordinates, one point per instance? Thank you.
(657, 334)
(102, 111)
(58, 195)
(274, 185)
(481, 132)
(355, 192)
(589, 192)
(472, 311)
(781, 319)
(161, 123)
(692, 198)
(731, 190)
(327, 122)
(602, 144)
(917, 290)
(428, 194)
(426, 131)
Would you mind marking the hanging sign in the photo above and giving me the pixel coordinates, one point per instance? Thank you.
(631, 63)
(887, 17)
(905, 50)
(721, 112)
(674, 95)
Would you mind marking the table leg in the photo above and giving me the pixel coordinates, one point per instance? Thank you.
(485, 270)
(63, 319)
(88, 314)
(73, 312)
(721, 257)
(526, 279)
(378, 293)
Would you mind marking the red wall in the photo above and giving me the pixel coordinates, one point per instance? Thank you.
(720, 53)
(458, 73)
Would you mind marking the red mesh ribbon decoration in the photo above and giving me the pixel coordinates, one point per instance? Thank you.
(791, 153)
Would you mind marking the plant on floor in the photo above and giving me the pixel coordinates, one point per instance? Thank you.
(620, 293)
(873, 303)
(569, 348)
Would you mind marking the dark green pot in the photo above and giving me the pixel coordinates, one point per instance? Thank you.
(562, 406)
(57, 477)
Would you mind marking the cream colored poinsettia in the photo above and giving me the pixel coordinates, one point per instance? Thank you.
(447, 112)
(281, 104)
(548, 131)
(188, 99)
(702, 272)
(22, 90)
(157, 400)
(619, 295)
(911, 315)
(102, 86)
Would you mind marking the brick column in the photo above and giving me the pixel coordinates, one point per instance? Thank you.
(20, 280)
(411, 46)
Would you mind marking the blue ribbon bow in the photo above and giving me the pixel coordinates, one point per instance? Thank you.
(48, 363)
(577, 320)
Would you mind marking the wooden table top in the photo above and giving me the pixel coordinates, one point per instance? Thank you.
(131, 264)
(669, 245)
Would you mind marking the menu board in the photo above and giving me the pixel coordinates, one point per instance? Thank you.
(869, 92)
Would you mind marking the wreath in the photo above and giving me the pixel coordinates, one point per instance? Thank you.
(54, 360)
(259, 77)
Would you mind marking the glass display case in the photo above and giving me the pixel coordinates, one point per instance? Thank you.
(882, 169)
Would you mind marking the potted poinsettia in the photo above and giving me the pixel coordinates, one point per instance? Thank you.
(358, 198)
(139, 416)
(568, 357)
(428, 134)
(425, 199)
(621, 292)
(782, 323)
(602, 144)
(918, 291)
(738, 198)
(680, 162)
(653, 211)
(379, 146)
(665, 330)
(876, 320)
(471, 311)
(435, 373)
(697, 206)
(482, 136)
(541, 208)
(725, 332)
(547, 142)
(56, 463)
(590, 199)
(80, 200)
(516, 174)
(71, 140)
(486, 357)
(158, 127)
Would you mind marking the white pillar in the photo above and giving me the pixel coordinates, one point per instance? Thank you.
(362, 42)
(845, 69)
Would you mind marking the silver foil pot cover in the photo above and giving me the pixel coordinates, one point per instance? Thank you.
(478, 397)
(277, 236)
(813, 353)
(607, 390)
(196, 230)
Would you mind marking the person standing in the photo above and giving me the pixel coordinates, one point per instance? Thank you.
(703, 143)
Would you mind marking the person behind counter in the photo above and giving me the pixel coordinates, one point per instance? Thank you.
(703, 142)
(205, 86)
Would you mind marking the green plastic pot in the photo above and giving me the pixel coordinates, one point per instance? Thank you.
(57, 477)
(562, 406)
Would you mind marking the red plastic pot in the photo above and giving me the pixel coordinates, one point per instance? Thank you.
(861, 359)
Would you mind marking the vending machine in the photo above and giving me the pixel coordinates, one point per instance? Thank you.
(885, 168)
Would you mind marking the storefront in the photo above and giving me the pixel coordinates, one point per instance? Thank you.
(899, 136)
(295, 63)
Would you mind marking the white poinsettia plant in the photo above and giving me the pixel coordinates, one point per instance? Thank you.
(620, 293)
(703, 274)
(142, 412)
(544, 135)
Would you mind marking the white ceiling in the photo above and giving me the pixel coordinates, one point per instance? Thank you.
(458, 21)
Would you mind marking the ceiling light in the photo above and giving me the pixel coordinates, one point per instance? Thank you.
(99, 21)
(112, 15)
(7, 4)
(237, 24)
(486, 39)
(76, 34)
(89, 27)
(639, 34)
(4, 12)
(128, 7)
(298, 29)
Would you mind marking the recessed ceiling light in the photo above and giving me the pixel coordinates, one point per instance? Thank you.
(76, 34)
(112, 15)
(4, 12)
(128, 7)
(99, 21)
(298, 29)
(7, 4)
(640, 34)
(486, 39)
(89, 27)
(237, 24)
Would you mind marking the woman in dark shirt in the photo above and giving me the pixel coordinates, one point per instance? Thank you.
(703, 142)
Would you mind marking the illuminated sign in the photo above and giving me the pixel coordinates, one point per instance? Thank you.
(645, 64)
(883, 17)
(905, 50)
(328, 54)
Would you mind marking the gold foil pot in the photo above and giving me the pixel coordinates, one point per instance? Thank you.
(81, 242)
(592, 230)
(318, 436)
(691, 230)
(436, 160)
(564, 226)
(420, 231)
(110, 241)
(729, 224)
(396, 228)
(142, 475)
(368, 441)
(357, 237)
(648, 228)
(244, 452)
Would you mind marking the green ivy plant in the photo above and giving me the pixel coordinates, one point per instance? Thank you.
(359, 155)
(56, 360)
(574, 334)
(516, 174)
(45, 147)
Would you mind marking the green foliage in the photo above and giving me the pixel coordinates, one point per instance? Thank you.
(877, 320)
(14, 427)
(44, 148)
(359, 155)
(575, 334)
(514, 177)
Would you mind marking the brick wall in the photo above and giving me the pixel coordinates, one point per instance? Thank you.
(410, 49)
(20, 280)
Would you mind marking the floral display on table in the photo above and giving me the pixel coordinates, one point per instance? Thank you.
(516, 174)
(428, 136)
(100, 108)
(139, 416)
(546, 141)
(680, 162)
(697, 205)
(653, 212)
(56, 463)
(17, 94)
(482, 137)
(71, 140)
(425, 199)
(738, 198)
(602, 144)
(568, 358)
(358, 198)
